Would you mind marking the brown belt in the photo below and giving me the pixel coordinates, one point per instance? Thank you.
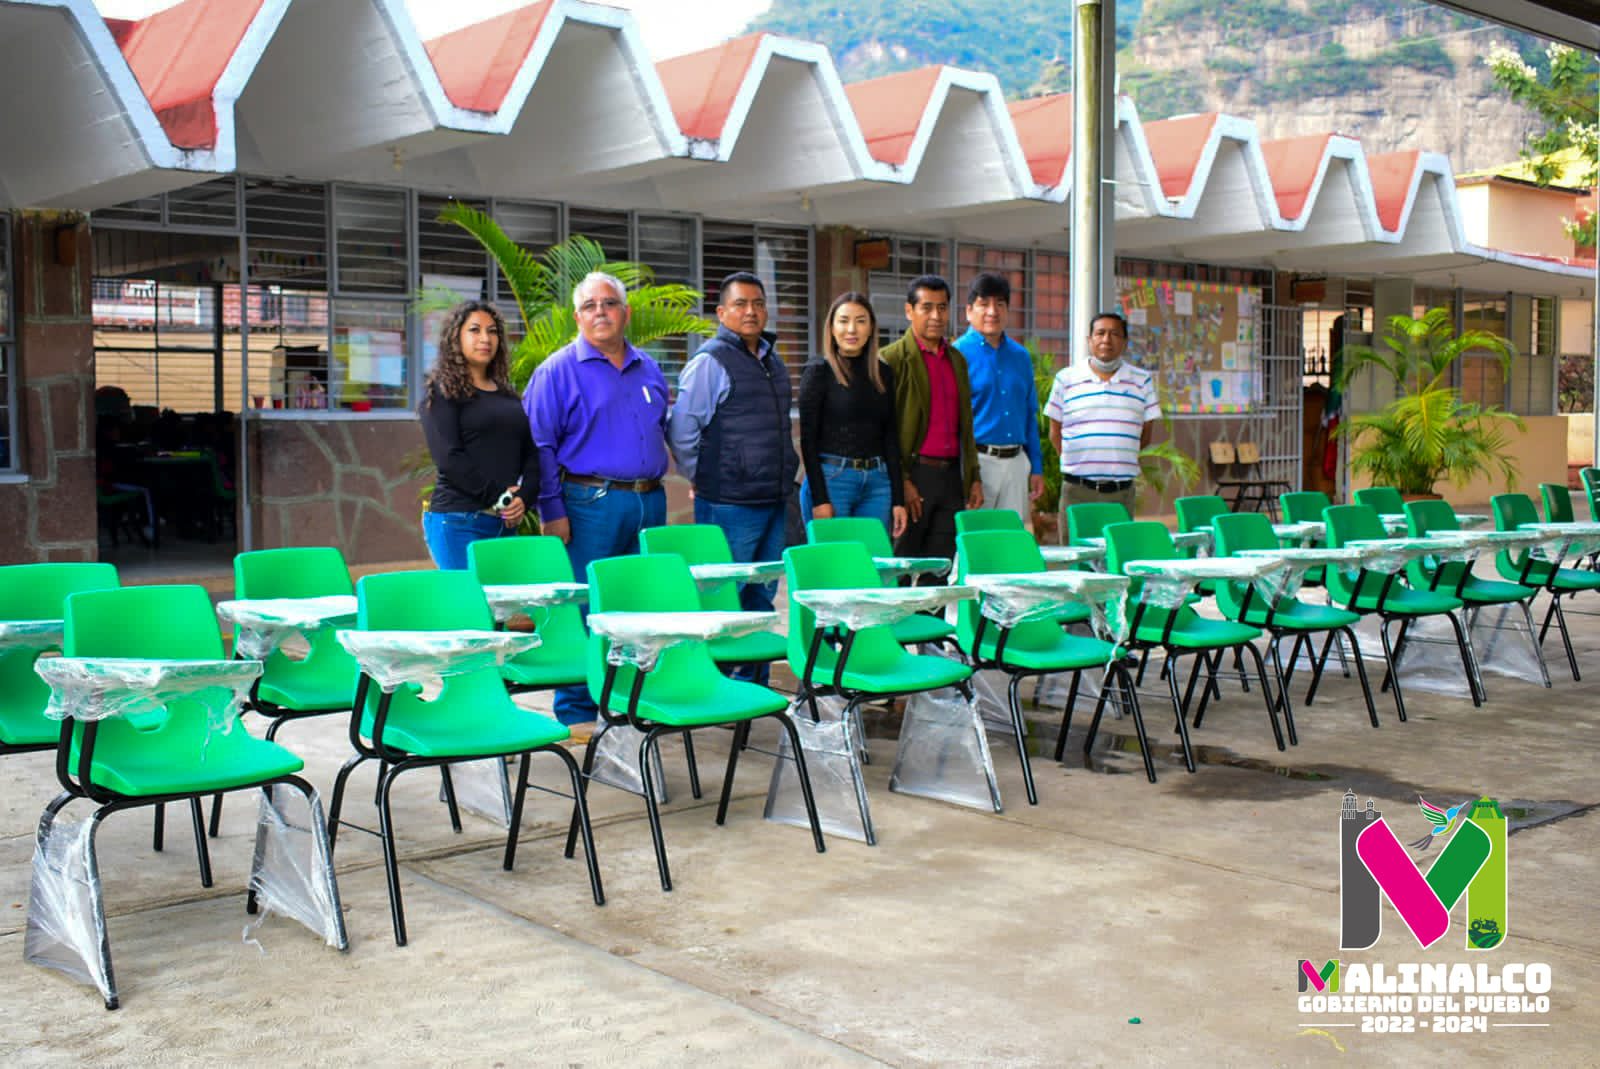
(1002, 452)
(637, 486)
(937, 462)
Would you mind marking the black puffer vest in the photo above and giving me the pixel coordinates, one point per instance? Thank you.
(747, 454)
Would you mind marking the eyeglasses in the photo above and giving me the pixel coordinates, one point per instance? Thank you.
(589, 308)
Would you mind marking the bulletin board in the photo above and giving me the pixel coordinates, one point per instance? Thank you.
(1198, 338)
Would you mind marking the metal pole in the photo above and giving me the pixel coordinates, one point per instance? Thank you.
(1594, 325)
(1089, 92)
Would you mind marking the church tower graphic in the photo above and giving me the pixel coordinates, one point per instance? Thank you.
(1359, 919)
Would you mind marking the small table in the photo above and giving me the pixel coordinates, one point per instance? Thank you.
(269, 624)
(709, 577)
(639, 638)
(891, 568)
(1066, 556)
(512, 599)
(425, 659)
(855, 608)
(31, 634)
(97, 688)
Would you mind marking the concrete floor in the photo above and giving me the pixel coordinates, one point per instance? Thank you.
(1032, 937)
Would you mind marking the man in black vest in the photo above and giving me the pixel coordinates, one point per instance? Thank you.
(729, 432)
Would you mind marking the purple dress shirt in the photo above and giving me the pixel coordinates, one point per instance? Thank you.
(589, 418)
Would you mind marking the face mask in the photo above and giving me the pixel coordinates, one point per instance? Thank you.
(1105, 367)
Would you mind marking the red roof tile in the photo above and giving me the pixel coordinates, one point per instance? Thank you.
(178, 56)
(702, 86)
(1391, 182)
(1175, 146)
(477, 64)
(889, 110)
(1044, 129)
(1292, 164)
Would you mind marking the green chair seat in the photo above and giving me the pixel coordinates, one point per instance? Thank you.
(761, 646)
(1062, 653)
(685, 701)
(907, 674)
(230, 760)
(1403, 601)
(509, 730)
(1494, 592)
(914, 630)
(542, 676)
(1296, 615)
(1195, 632)
(333, 689)
(1573, 580)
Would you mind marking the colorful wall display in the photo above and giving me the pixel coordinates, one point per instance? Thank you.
(1199, 338)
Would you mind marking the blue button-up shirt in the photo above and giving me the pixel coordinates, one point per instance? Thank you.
(590, 418)
(1005, 402)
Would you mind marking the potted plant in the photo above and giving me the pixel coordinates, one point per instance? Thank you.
(1427, 433)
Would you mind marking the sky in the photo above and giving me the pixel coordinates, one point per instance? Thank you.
(670, 27)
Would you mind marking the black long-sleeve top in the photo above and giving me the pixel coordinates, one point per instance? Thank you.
(480, 446)
(847, 421)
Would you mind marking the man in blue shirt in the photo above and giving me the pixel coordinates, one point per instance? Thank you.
(730, 434)
(1005, 402)
(598, 410)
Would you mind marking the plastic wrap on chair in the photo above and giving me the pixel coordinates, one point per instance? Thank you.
(1387, 556)
(988, 689)
(483, 787)
(616, 760)
(877, 606)
(1505, 643)
(639, 638)
(30, 634)
(1301, 532)
(1472, 521)
(1013, 598)
(944, 752)
(1197, 540)
(1296, 562)
(1067, 556)
(709, 577)
(268, 624)
(291, 873)
(1167, 584)
(1430, 660)
(892, 568)
(426, 658)
(515, 599)
(94, 688)
(66, 921)
(833, 763)
(1563, 540)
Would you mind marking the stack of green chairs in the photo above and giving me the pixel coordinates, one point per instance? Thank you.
(1180, 632)
(868, 532)
(1289, 616)
(706, 543)
(1388, 596)
(1036, 647)
(168, 755)
(684, 692)
(471, 718)
(1511, 511)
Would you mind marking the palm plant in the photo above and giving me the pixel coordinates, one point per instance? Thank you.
(1427, 433)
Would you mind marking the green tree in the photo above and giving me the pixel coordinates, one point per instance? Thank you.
(1563, 95)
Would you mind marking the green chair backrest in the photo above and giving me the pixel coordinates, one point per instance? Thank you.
(1557, 502)
(1090, 519)
(973, 520)
(1350, 523)
(1231, 533)
(1198, 510)
(1385, 500)
(1303, 506)
(1511, 511)
(1424, 518)
(526, 559)
(698, 543)
(995, 551)
(864, 529)
(299, 572)
(1591, 481)
(1139, 540)
(834, 566)
(645, 582)
(39, 592)
(147, 622)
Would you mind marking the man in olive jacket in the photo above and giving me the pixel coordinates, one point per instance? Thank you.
(933, 401)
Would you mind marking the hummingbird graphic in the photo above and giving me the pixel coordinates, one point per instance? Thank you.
(1441, 819)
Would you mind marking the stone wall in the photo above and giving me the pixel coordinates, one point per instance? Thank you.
(51, 516)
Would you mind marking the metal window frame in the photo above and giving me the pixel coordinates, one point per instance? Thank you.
(165, 225)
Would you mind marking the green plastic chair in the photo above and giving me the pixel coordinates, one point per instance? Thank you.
(1590, 477)
(36, 592)
(1511, 512)
(1198, 510)
(1179, 632)
(1384, 500)
(1303, 506)
(1557, 502)
(471, 718)
(170, 754)
(1388, 596)
(913, 630)
(684, 692)
(558, 659)
(969, 521)
(1036, 647)
(1090, 519)
(706, 543)
(1289, 616)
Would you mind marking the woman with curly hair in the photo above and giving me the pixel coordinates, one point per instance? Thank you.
(478, 436)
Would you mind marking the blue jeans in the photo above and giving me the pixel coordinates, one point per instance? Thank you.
(755, 532)
(605, 523)
(448, 535)
(852, 492)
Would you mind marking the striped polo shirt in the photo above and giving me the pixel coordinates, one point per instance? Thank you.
(1101, 421)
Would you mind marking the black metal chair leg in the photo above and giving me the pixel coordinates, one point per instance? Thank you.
(516, 813)
(1178, 709)
(1391, 674)
(97, 908)
(158, 837)
(1020, 729)
(1266, 697)
(1094, 718)
(1066, 714)
(203, 854)
(1131, 696)
(1319, 667)
(1464, 647)
(580, 812)
(694, 769)
(741, 736)
(1144, 659)
(645, 748)
(1361, 672)
(1238, 664)
(588, 767)
(391, 864)
(1566, 639)
(450, 797)
(216, 815)
(1200, 664)
(805, 783)
(1283, 694)
(336, 803)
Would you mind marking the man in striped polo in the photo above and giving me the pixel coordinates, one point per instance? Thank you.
(1100, 414)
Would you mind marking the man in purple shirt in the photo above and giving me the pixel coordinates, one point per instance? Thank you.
(598, 410)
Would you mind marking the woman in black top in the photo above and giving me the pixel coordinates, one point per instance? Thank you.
(848, 439)
(478, 436)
